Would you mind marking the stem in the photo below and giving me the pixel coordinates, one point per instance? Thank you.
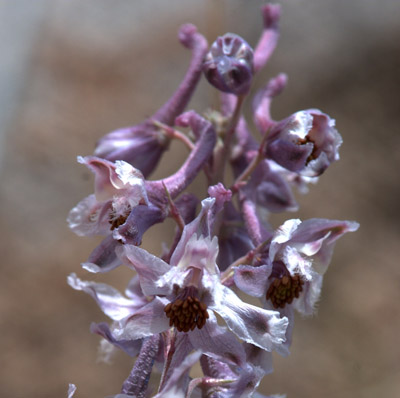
(221, 160)
(137, 381)
(174, 212)
(242, 179)
(172, 133)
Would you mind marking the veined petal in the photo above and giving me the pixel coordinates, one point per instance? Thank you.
(106, 180)
(149, 268)
(252, 280)
(200, 252)
(263, 328)
(111, 302)
(282, 235)
(149, 320)
(131, 179)
(218, 342)
(198, 226)
(305, 304)
(89, 217)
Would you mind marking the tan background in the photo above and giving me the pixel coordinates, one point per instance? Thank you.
(71, 71)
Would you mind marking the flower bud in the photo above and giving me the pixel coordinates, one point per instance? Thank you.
(141, 145)
(228, 66)
(306, 143)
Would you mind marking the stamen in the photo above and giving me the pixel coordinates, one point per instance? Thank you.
(118, 221)
(186, 312)
(283, 290)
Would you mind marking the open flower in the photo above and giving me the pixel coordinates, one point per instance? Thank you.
(291, 278)
(187, 292)
(119, 187)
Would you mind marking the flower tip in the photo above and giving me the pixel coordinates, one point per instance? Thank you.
(271, 15)
(186, 34)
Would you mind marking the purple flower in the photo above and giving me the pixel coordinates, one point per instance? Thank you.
(291, 278)
(119, 188)
(187, 289)
(229, 64)
(305, 143)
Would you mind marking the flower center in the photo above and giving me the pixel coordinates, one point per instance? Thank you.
(283, 290)
(117, 221)
(186, 312)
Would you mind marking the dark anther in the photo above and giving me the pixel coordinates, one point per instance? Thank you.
(283, 290)
(118, 221)
(187, 313)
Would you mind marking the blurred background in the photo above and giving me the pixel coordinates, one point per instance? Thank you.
(71, 71)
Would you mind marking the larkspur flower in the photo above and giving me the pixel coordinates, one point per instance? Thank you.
(168, 314)
(298, 256)
(188, 288)
(228, 66)
(306, 142)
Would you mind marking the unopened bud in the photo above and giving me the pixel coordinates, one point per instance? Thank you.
(228, 66)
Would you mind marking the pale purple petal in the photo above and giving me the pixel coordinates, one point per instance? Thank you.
(259, 357)
(90, 217)
(148, 320)
(111, 302)
(131, 347)
(252, 280)
(149, 268)
(106, 183)
(140, 219)
(200, 252)
(306, 303)
(218, 342)
(199, 225)
(254, 325)
(71, 390)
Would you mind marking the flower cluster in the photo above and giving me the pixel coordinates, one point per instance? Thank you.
(185, 307)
